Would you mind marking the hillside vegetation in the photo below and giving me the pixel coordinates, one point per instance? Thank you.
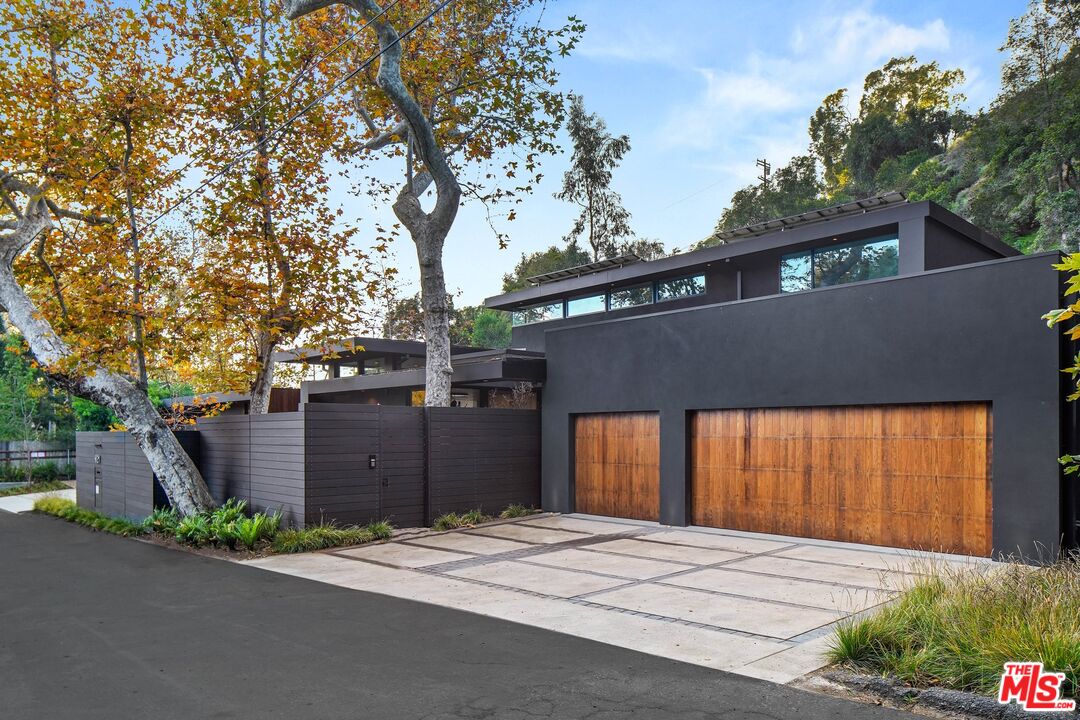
(1011, 168)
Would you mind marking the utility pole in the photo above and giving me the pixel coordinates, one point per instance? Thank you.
(764, 176)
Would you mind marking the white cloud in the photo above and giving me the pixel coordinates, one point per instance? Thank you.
(632, 44)
(776, 93)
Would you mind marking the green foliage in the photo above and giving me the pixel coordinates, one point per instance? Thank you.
(491, 329)
(1012, 169)
(539, 263)
(40, 472)
(31, 406)
(224, 526)
(35, 487)
(587, 184)
(327, 535)
(955, 628)
(516, 511)
(250, 530)
(162, 520)
(405, 321)
(68, 510)
(452, 521)
(93, 417)
(381, 529)
(794, 189)
(194, 530)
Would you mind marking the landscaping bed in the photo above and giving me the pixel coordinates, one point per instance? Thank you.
(228, 530)
(35, 487)
(954, 629)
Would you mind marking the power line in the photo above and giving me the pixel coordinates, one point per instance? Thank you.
(285, 125)
(292, 84)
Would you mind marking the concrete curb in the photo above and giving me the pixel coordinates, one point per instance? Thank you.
(949, 701)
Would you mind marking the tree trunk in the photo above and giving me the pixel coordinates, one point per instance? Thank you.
(433, 300)
(174, 469)
(264, 377)
(428, 229)
(136, 261)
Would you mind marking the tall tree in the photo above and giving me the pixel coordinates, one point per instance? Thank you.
(603, 219)
(59, 171)
(793, 189)
(480, 84)
(544, 261)
(829, 130)
(274, 261)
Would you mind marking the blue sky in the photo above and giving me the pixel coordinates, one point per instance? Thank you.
(704, 89)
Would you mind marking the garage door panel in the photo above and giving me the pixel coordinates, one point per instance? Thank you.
(617, 465)
(911, 476)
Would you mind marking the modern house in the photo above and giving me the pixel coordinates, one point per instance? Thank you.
(364, 370)
(875, 372)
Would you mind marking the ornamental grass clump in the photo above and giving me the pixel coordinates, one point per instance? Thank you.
(328, 535)
(956, 628)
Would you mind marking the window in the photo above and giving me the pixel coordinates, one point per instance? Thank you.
(585, 305)
(840, 264)
(631, 296)
(680, 288)
(538, 313)
(796, 272)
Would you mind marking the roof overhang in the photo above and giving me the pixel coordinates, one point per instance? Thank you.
(491, 366)
(772, 240)
(360, 347)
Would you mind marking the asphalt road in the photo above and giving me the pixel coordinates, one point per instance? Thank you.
(96, 626)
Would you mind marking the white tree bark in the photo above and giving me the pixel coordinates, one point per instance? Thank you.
(264, 378)
(428, 229)
(177, 473)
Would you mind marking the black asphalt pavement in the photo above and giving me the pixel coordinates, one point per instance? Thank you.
(96, 626)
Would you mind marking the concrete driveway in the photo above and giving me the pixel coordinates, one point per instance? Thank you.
(762, 606)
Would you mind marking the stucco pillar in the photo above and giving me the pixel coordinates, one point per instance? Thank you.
(912, 246)
(674, 483)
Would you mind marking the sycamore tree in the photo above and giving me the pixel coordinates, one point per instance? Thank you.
(87, 113)
(464, 99)
(275, 262)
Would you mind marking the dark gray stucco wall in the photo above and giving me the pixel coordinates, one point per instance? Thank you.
(960, 334)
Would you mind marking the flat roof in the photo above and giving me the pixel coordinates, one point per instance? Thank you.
(364, 346)
(763, 228)
(586, 269)
(489, 366)
(768, 239)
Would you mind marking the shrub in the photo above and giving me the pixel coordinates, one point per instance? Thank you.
(49, 486)
(250, 530)
(956, 628)
(516, 510)
(382, 529)
(68, 510)
(194, 530)
(452, 521)
(67, 470)
(12, 472)
(44, 471)
(327, 535)
(162, 520)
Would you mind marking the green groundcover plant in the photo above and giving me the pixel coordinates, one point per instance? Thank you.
(228, 527)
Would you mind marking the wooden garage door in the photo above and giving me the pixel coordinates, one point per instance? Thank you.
(617, 465)
(913, 476)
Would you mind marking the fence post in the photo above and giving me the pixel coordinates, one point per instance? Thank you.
(425, 430)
